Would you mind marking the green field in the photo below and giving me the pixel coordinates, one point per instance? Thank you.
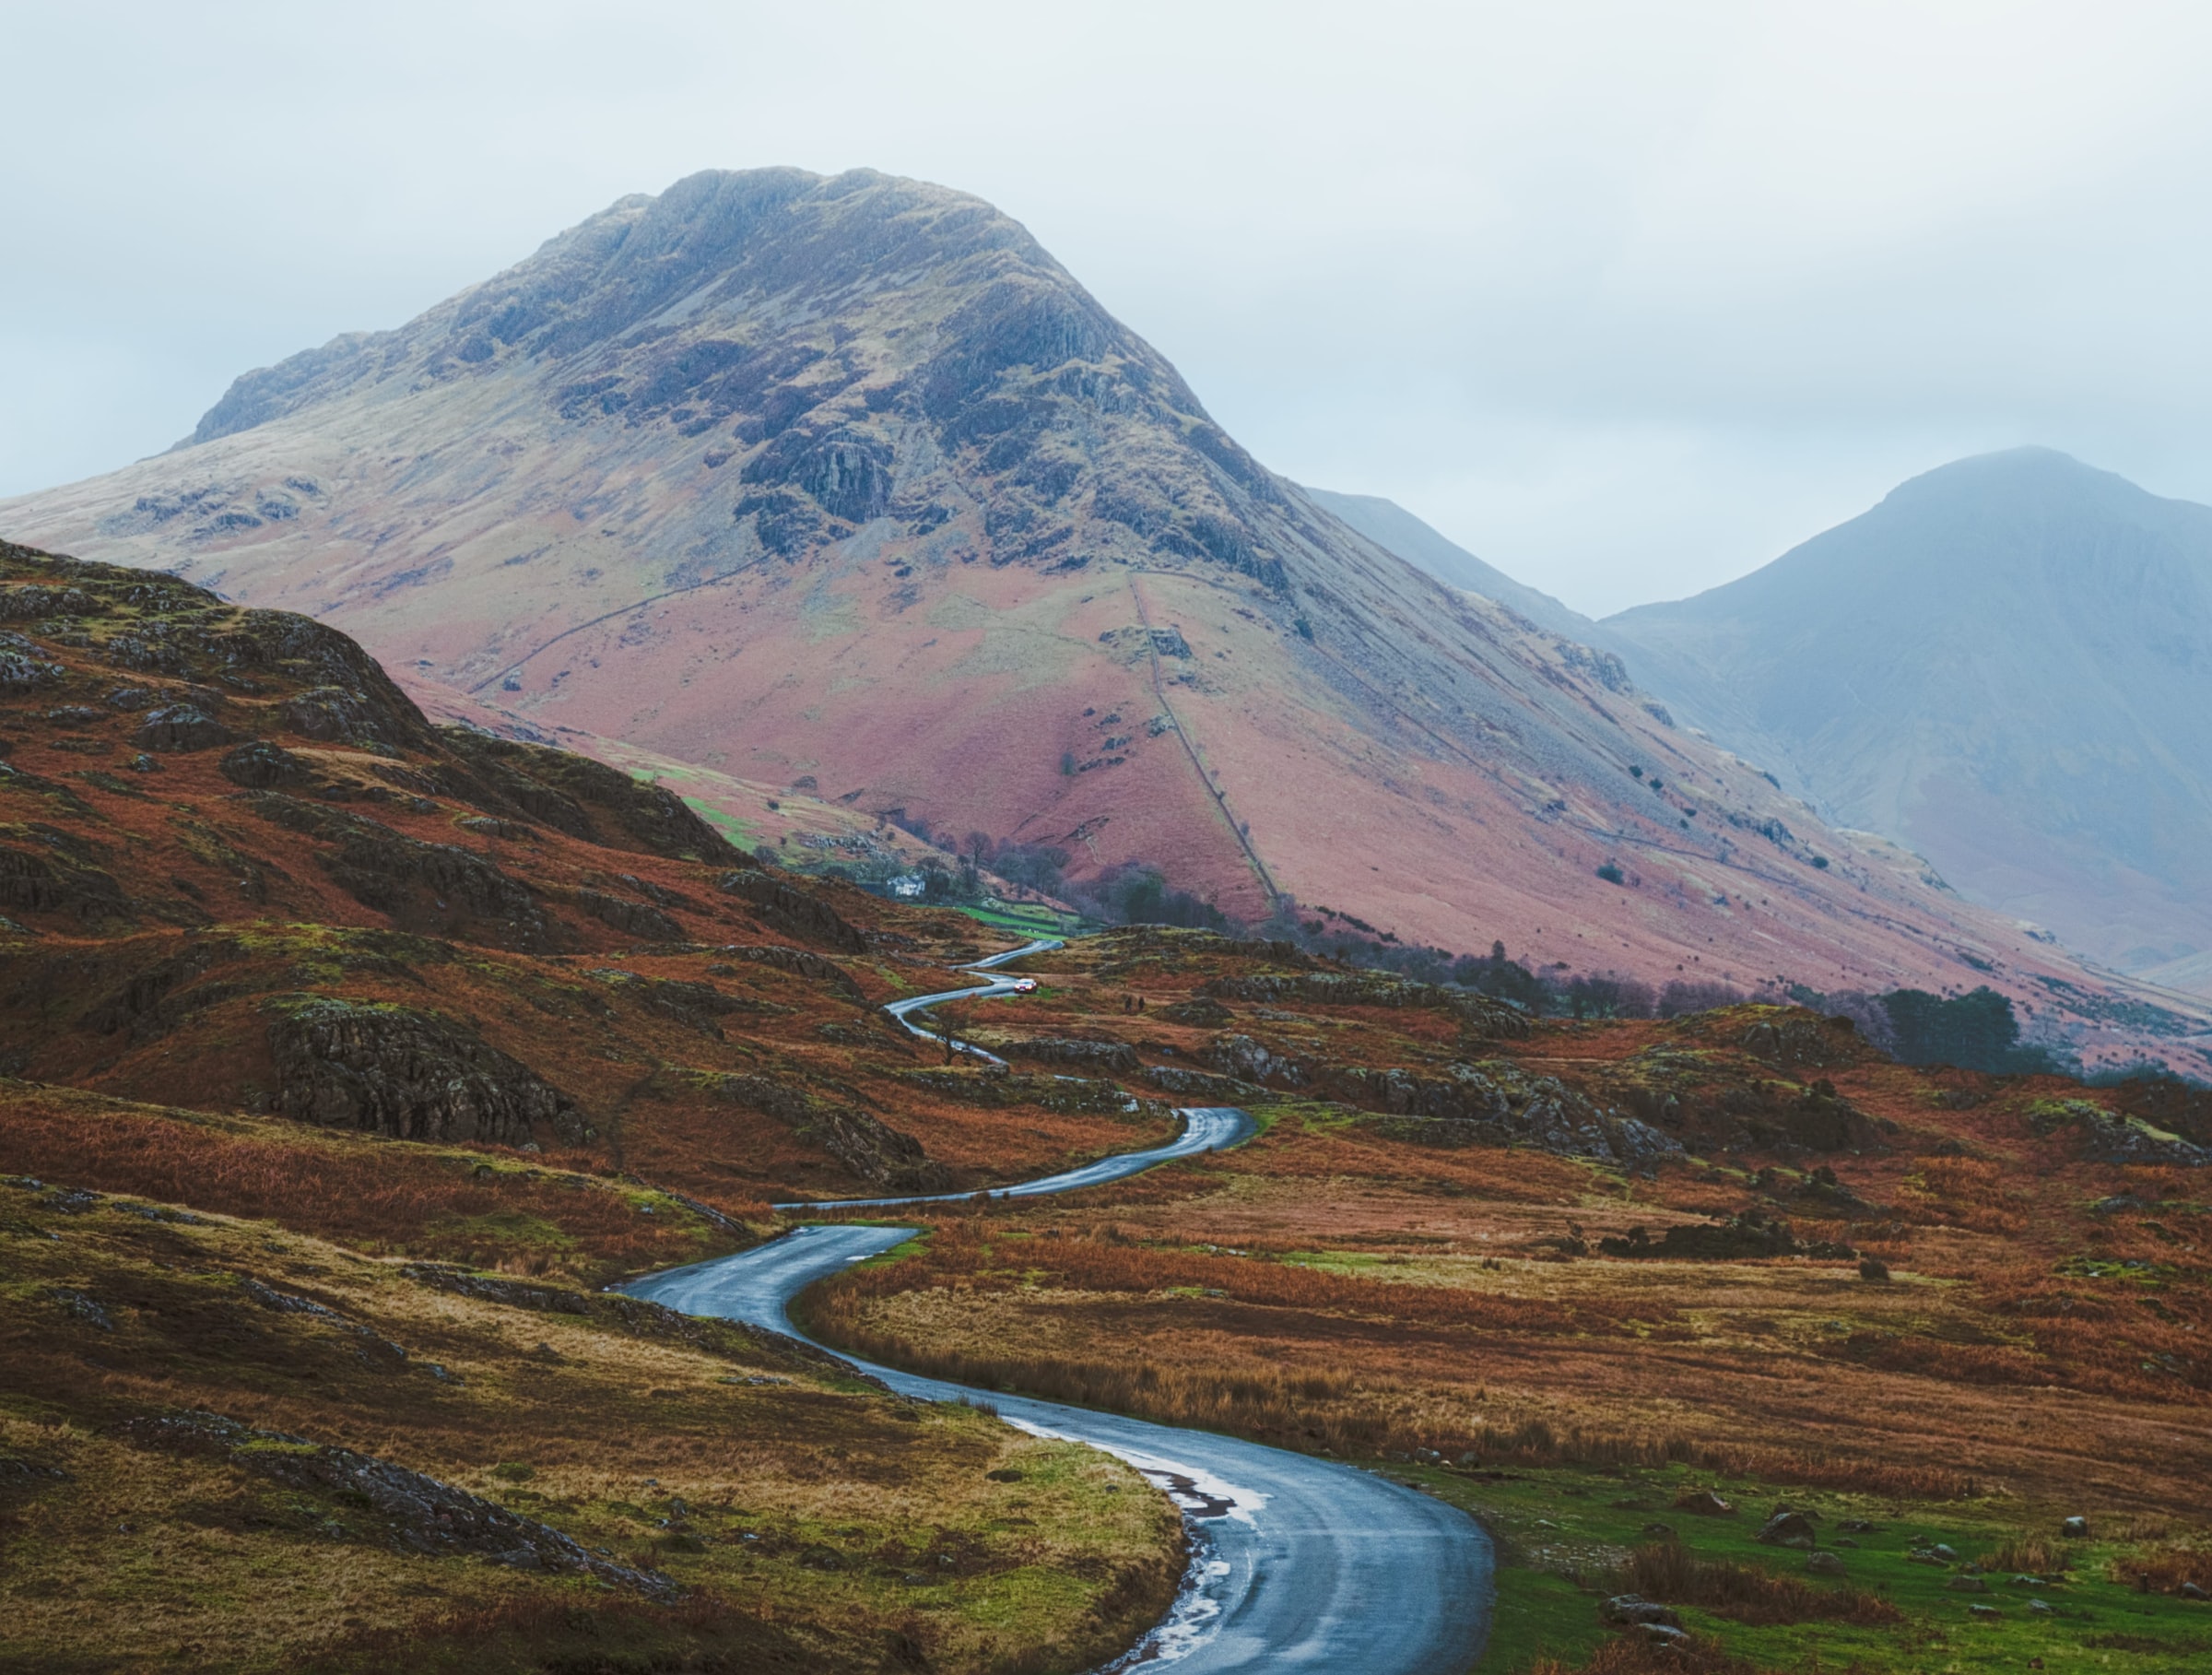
(1563, 1535)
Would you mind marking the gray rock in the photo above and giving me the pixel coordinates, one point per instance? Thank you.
(413, 1075)
(1787, 1528)
(181, 726)
(1635, 1611)
(1824, 1565)
(2075, 1529)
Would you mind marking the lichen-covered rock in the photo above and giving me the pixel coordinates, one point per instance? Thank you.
(640, 919)
(58, 882)
(413, 1075)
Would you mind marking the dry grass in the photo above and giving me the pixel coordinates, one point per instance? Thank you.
(490, 1209)
(1668, 1571)
(197, 1565)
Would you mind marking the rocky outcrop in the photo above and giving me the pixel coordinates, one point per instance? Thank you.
(1498, 1104)
(793, 911)
(1748, 1233)
(799, 962)
(584, 798)
(866, 1145)
(413, 1075)
(420, 1514)
(1064, 1050)
(1241, 1056)
(1202, 1084)
(1791, 1039)
(181, 726)
(2111, 1138)
(430, 887)
(693, 1005)
(640, 919)
(1479, 1015)
(259, 765)
(58, 882)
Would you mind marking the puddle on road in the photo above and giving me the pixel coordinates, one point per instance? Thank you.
(1184, 1490)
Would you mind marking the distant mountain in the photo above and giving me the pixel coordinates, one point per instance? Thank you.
(844, 484)
(2007, 665)
(1390, 526)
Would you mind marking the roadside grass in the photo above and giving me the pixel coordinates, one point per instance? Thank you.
(1567, 1539)
(490, 1207)
(812, 1520)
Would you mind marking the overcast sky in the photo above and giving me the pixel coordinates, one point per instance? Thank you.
(1626, 298)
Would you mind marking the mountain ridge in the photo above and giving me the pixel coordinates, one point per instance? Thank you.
(2002, 664)
(845, 480)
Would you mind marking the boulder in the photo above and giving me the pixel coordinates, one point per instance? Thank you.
(1968, 1584)
(1824, 1565)
(1705, 1504)
(1787, 1528)
(1631, 1611)
(181, 726)
(2075, 1529)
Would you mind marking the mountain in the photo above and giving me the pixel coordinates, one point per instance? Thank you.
(1392, 527)
(2007, 665)
(844, 484)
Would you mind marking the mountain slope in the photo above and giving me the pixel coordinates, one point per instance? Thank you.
(1394, 529)
(2007, 665)
(846, 482)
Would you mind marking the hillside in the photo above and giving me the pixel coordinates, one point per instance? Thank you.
(347, 1059)
(2006, 664)
(1389, 526)
(843, 485)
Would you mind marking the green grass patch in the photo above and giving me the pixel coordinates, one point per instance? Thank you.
(1564, 1535)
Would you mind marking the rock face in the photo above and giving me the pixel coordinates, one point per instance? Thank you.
(1498, 1103)
(386, 1069)
(795, 913)
(854, 460)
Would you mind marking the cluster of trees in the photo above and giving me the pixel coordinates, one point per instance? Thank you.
(1977, 1031)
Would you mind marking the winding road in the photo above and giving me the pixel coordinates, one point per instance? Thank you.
(1300, 1564)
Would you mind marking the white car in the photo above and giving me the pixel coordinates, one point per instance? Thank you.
(1025, 985)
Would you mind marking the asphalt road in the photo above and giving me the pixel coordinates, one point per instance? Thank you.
(1302, 1563)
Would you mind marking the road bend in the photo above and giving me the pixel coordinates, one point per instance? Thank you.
(1299, 1563)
